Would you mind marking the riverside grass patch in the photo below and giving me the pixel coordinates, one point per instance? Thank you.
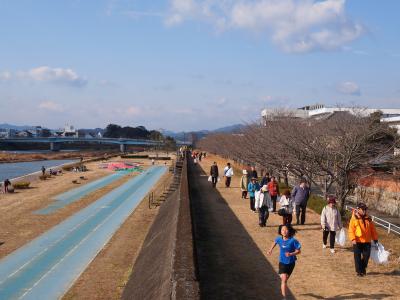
(316, 203)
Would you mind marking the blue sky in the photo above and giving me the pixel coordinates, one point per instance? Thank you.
(192, 64)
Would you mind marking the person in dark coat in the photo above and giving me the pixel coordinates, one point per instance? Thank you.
(214, 174)
(43, 170)
(266, 178)
(300, 195)
(253, 173)
(7, 183)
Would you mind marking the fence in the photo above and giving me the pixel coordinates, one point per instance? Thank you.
(383, 223)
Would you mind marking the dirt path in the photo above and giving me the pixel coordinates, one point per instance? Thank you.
(232, 252)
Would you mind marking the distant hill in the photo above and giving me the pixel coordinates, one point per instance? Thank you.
(233, 128)
(186, 136)
(15, 127)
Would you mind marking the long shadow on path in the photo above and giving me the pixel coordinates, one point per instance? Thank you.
(230, 264)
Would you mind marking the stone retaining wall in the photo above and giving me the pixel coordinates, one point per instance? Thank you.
(165, 267)
(379, 198)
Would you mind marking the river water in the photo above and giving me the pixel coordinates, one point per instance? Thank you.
(12, 170)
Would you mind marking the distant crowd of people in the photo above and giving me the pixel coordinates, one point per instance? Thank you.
(263, 198)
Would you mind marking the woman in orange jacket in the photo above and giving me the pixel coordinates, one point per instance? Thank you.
(361, 232)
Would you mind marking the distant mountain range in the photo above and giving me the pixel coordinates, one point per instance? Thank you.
(15, 127)
(181, 136)
(176, 135)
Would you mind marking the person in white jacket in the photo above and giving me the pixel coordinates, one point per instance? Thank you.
(286, 202)
(262, 204)
(331, 221)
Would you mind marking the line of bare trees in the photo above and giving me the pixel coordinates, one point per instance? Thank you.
(332, 153)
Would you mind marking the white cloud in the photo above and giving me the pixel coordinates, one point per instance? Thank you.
(296, 26)
(349, 88)
(56, 75)
(133, 111)
(4, 76)
(51, 106)
(222, 102)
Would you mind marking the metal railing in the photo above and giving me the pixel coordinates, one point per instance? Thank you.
(381, 222)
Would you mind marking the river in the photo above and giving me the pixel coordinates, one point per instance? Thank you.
(12, 170)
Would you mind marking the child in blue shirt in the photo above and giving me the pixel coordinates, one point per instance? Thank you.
(289, 248)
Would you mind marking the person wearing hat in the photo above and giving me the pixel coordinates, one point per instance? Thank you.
(331, 221)
(262, 205)
(252, 188)
(244, 182)
(361, 232)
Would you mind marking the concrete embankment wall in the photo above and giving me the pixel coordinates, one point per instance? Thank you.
(165, 267)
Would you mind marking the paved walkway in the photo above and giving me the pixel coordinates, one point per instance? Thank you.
(231, 251)
(46, 267)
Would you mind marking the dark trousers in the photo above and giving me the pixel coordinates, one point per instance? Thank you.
(252, 203)
(244, 194)
(227, 181)
(287, 219)
(273, 199)
(263, 215)
(332, 235)
(214, 181)
(362, 251)
(303, 208)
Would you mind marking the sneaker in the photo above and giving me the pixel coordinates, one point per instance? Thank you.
(323, 246)
(333, 251)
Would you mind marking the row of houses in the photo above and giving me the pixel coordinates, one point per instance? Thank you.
(320, 111)
(38, 131)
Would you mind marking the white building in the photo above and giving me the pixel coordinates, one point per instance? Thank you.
(68, 131)
(317, 111)
(393, 122)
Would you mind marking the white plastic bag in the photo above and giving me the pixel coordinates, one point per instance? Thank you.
(378, 254)
(209, 178)
(341, 237)
(257, 199)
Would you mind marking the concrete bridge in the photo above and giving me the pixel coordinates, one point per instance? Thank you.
(55, 142)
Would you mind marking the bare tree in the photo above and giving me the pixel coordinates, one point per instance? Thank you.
(333, 153)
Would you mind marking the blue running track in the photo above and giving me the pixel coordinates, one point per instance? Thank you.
(46, 267)
(78, 193)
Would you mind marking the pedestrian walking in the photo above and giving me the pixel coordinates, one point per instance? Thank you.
(361, 232)
(265, 179)
(331, 221)
(214, 174)
(262, 205)
(252, 188)
(228, 173)
(273, 189)
(289, 249)
(6, 184)
(244, 182)
(253, 172)
(286, 202)
(43, 170)
(300, 195)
